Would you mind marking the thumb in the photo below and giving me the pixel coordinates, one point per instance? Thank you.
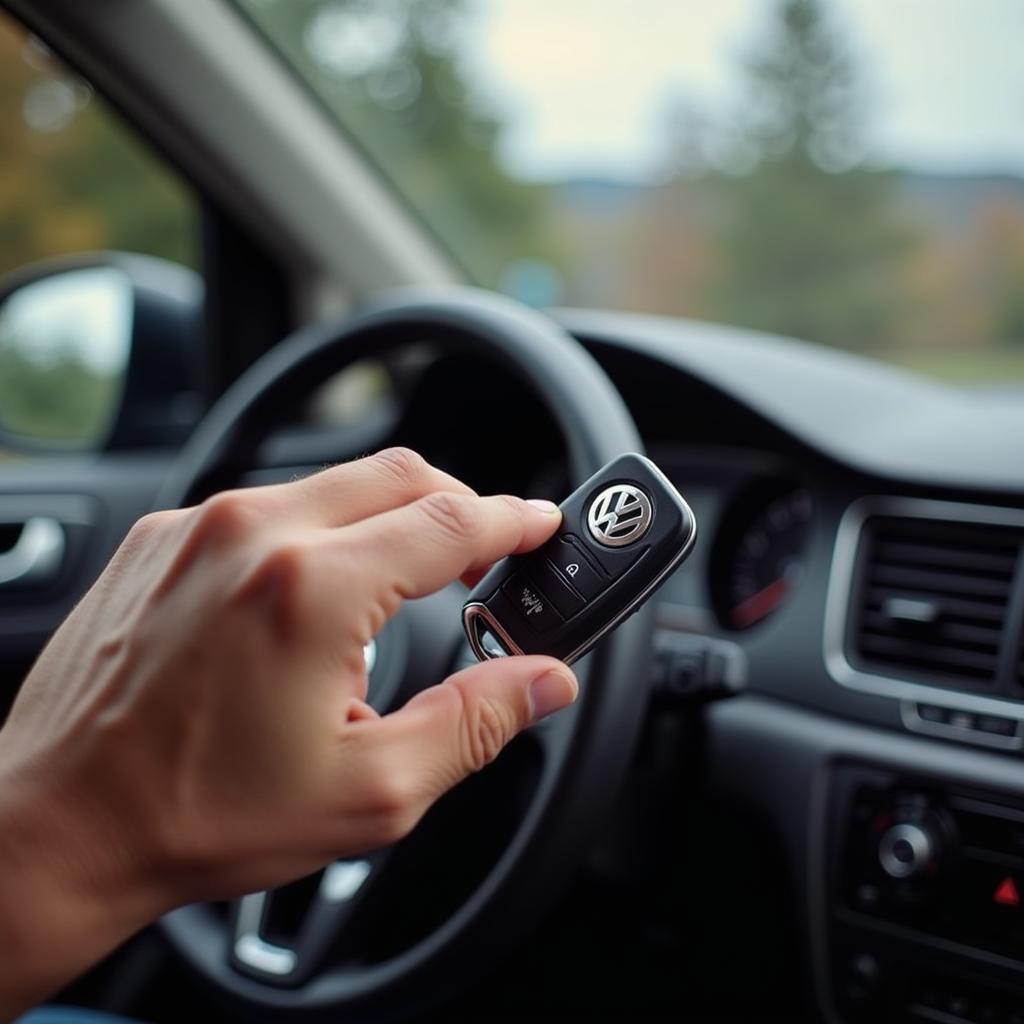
(457, 727)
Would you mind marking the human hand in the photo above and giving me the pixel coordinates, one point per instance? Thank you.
(197, 728)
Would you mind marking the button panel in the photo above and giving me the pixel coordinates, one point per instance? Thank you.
(999, 731)
(930, 932)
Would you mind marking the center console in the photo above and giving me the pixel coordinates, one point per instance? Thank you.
(926, 918)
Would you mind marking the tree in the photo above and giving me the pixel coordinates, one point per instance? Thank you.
(74, 176)
(811, 236)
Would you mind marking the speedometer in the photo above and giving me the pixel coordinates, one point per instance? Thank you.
(759, 553)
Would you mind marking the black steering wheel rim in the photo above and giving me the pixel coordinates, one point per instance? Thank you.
(595, 739)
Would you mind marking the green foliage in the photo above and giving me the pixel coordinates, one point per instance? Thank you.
(812, 254)
(77, 178)
(61, 399)
(810, 240)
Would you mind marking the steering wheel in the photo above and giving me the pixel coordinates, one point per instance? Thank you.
(395, 931)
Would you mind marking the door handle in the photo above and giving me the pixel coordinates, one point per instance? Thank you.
(37, 554)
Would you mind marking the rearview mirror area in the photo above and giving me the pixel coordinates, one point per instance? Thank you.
(64, 347)
(99, 351)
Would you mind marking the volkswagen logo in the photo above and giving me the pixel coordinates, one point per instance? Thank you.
(619, 515)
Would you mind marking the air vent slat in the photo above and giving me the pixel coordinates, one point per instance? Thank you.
(961, 574)
(1000, 563)
(951, 606)
(935, 581)
(988, 636)
(938, 655)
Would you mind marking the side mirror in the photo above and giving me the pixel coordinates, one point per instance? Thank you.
(99, 351)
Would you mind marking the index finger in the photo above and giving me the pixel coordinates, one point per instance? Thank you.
(427, 544)
(354, 490)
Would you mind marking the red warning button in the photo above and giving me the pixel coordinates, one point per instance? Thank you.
(1007, 893)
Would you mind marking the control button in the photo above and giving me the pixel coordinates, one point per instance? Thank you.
(933, 713)
(997, 725)
(962, 720)
(1007, 894)
(528, 600)
(620, 515)
(905, 851)
(573, 565)
(566, 601)
(986, 911)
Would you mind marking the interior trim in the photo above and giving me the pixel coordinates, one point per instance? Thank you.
(838, 600)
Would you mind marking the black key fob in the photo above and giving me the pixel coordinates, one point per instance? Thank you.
(622, 534)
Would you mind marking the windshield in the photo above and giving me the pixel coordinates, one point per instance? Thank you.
(850, 172)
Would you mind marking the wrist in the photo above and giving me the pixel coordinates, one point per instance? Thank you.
(70, 891)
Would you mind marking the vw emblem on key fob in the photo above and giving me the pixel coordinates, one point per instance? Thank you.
(619, 515)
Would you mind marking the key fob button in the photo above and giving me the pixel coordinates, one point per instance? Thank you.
(531, 603)
(566, 601)
(573, 565)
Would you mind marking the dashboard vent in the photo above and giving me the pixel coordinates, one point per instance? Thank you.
(933, 598)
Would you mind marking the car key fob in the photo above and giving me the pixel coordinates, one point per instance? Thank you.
(622, 534)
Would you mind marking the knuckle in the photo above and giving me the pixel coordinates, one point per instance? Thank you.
(457, 516)
(151, 524)
(279, 568)
(224, 515)
(285, 559)
(276, 583)
(405, 465)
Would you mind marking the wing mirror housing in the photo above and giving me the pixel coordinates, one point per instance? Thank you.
(99, 351)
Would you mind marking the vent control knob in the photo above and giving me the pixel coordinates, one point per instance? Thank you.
(907, 850)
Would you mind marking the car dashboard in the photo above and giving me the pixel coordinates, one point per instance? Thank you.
(860, 580)
(844, 647)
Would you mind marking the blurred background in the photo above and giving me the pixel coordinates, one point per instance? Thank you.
(850, 172)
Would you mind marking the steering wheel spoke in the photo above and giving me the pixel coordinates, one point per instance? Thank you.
(316, 911)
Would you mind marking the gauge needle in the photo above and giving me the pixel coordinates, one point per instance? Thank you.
(757, 606)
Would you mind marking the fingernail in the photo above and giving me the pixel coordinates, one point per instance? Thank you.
(551, 692)
(543, 505)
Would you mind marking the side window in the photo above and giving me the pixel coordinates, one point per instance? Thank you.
(74, 176)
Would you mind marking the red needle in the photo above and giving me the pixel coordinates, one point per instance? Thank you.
(757, 606)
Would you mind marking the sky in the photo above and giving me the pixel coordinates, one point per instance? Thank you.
(586, 84)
